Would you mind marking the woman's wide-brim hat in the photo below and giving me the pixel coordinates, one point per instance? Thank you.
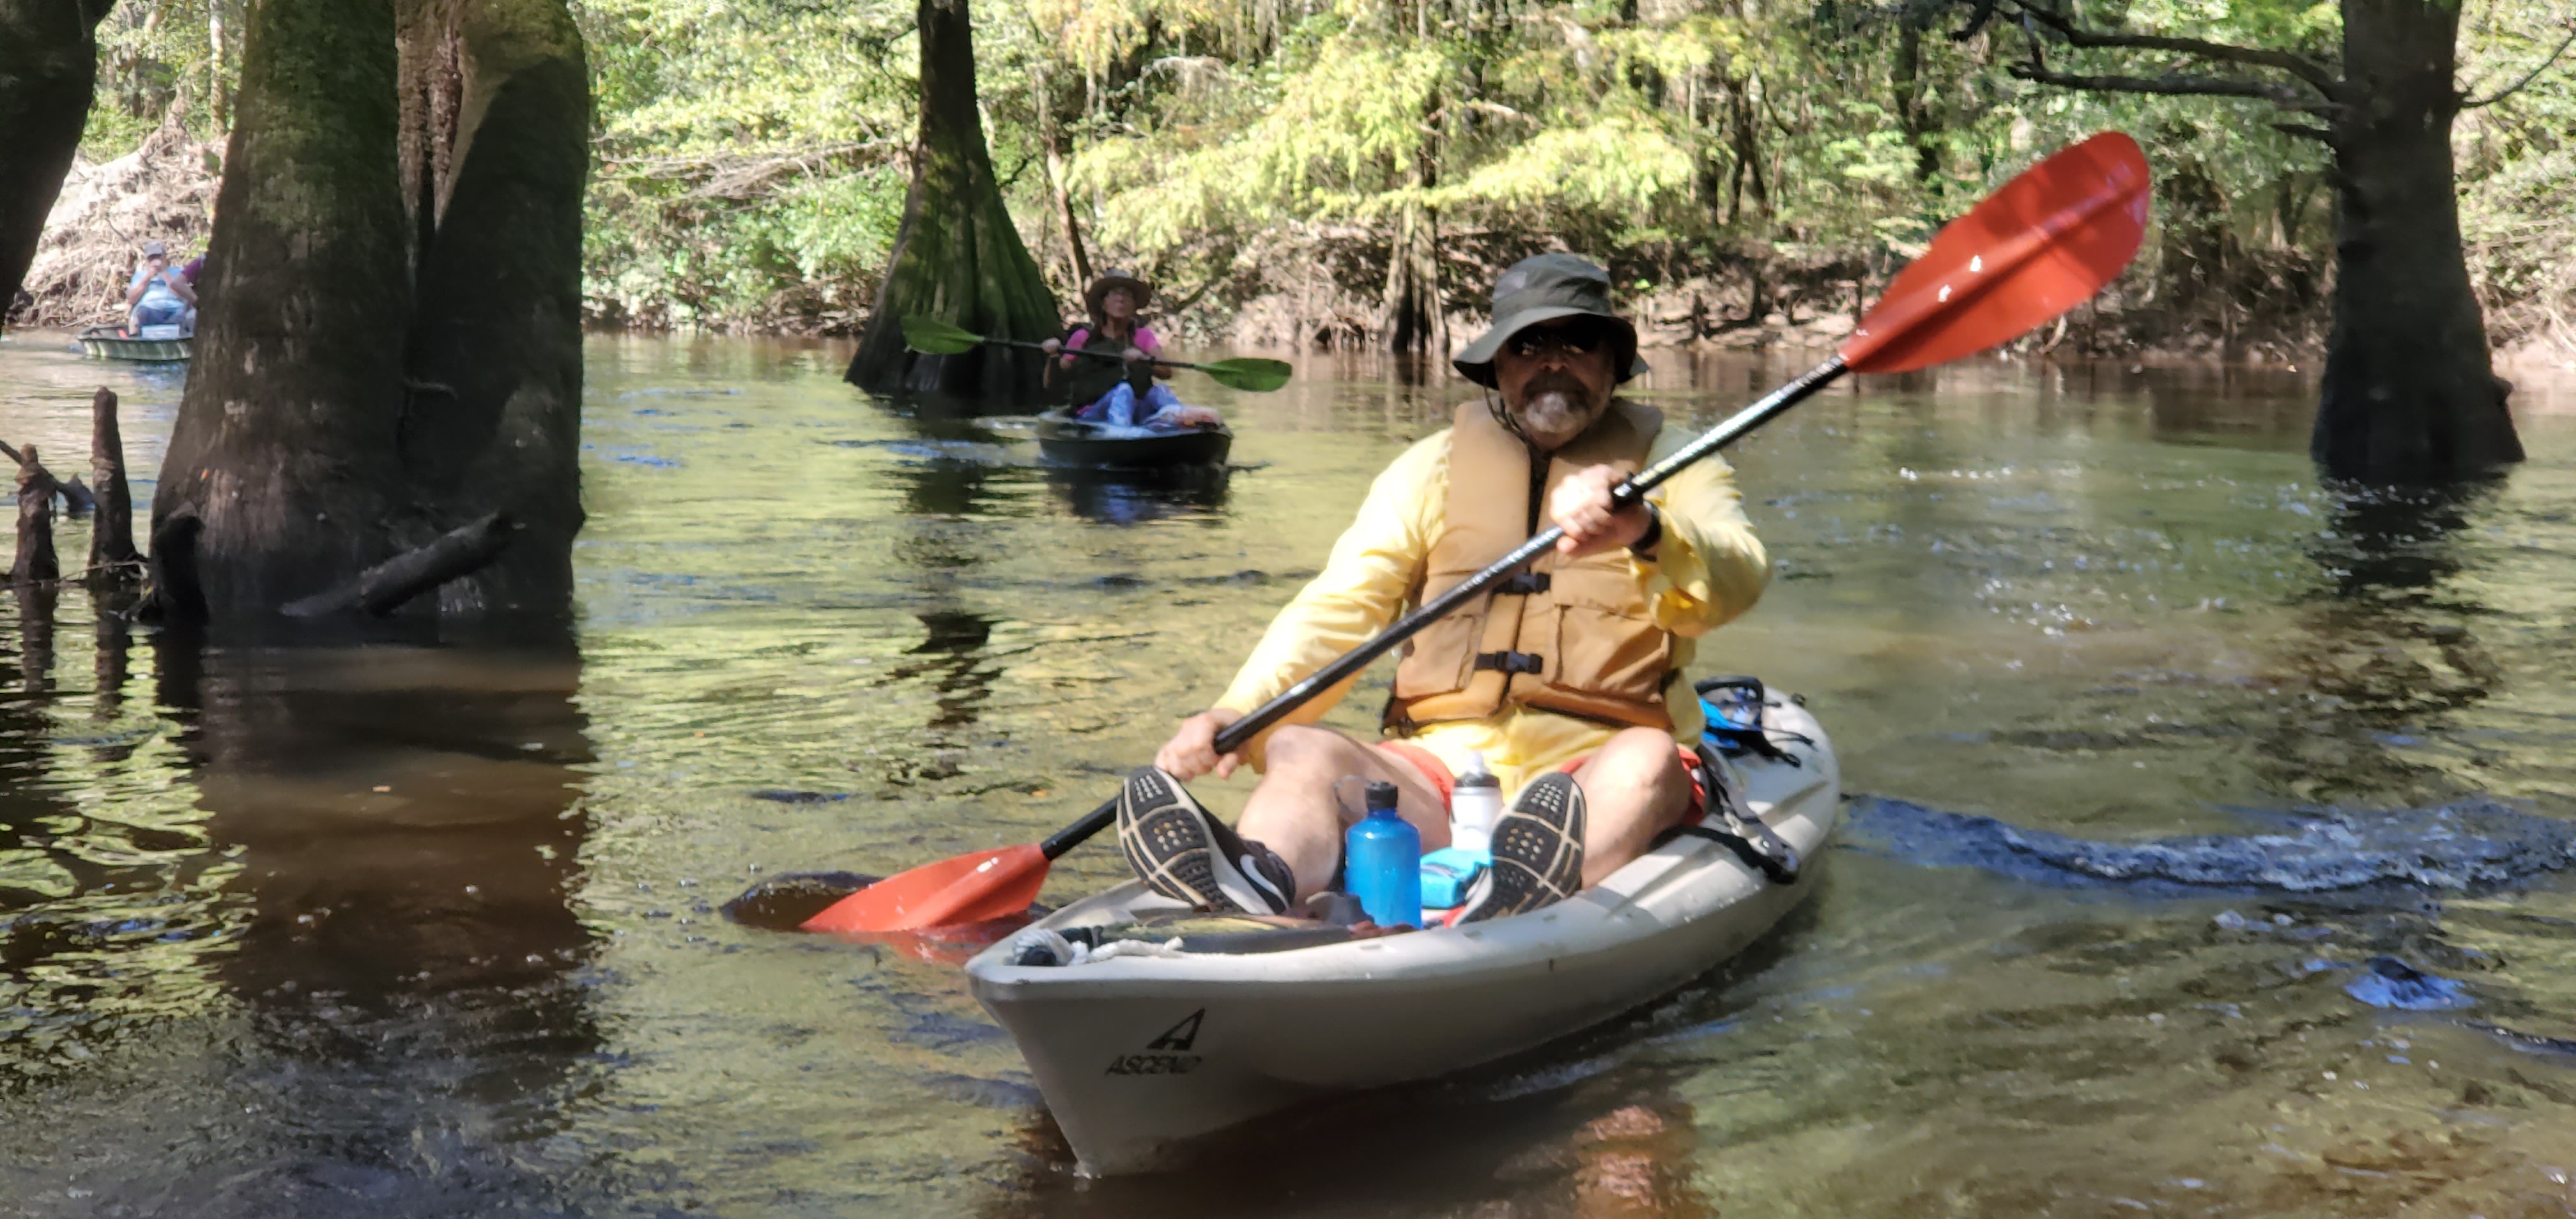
(1545, 288)
(1137, 290)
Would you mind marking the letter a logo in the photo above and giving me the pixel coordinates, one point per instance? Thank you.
(1180, 1036)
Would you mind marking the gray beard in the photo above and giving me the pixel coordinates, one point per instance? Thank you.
(1552, 415)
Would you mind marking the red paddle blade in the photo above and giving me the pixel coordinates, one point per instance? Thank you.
(973, 888)
(2043, 244)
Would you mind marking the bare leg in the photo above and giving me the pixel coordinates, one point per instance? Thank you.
(1633, 789)
(1294, 811)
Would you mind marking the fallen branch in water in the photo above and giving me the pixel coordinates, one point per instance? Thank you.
(76, 498)
(385, 587)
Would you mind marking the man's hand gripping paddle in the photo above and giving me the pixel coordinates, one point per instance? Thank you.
(2033, 250)
(930, 336)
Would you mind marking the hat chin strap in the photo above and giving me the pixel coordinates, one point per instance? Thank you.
(1503, 415)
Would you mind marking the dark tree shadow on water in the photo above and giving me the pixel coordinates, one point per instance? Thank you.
(405, 833)
(2389, 644)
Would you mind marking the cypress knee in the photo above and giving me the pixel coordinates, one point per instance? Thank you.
(111, 540)
(36, 561)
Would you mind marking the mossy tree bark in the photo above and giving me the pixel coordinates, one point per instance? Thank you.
(389, 346)
(957, 256)
(48, 67)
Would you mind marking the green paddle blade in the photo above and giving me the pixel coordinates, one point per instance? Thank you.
(930, 336)
(1248, 373)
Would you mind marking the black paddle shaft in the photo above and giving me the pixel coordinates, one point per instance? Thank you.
(1240, 733)
(1097, 355)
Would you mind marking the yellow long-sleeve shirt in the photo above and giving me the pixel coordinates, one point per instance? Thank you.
(1708, 569)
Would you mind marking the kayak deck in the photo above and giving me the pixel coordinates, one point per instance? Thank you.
(1142, 1052)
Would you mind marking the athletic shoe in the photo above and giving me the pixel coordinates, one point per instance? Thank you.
(1181, 852)
(1538, 852)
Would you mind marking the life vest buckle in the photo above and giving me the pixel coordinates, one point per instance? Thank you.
(1524, 584)
(1511, 662)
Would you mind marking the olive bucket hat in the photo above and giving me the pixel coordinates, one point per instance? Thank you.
(1543, 288)
(1137, 290)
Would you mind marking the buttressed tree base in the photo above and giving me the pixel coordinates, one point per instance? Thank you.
(957, 257)
(386, 391)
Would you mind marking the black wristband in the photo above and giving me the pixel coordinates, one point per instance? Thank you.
(1644, 546)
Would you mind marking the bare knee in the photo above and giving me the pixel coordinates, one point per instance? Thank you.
(1636, 755)
(1300, 750)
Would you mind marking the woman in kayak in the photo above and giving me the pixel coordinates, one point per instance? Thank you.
(1124, 394)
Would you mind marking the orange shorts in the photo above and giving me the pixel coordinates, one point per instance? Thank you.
(1436, 772)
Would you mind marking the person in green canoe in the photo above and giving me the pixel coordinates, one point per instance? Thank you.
(1567, 679)
(1126, 393)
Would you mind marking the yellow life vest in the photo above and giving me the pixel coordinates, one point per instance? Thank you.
(1568, 635)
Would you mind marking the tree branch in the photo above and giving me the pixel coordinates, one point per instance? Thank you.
(2527, 77)
(2304, 131)
(2314, 73)
(383, 588)
(2172, 85)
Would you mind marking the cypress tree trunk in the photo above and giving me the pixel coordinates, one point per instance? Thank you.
(48, 66)
(1414, 319)
(389, 344)
(283, 455)
(2409, 395)
(493, 417)
(1413, 316)
(957, 257)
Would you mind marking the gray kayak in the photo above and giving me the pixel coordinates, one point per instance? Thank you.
(1147, 1046)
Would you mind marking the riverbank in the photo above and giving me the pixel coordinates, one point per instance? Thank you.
(1743, 296)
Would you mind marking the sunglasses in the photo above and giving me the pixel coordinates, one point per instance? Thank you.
(1581, 339)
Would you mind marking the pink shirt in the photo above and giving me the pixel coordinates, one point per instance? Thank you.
(1146, 341)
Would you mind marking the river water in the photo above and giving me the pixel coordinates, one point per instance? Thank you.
(433, 931)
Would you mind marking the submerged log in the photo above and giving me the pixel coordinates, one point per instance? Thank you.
(36, 488)
(385, 587)
(111, 539)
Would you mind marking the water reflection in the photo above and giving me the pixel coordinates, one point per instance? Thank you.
(2386, 644)
(816, 634)
(1133, 497)
(402, 828)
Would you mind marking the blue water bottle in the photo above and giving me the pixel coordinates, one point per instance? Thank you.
(1382, 859)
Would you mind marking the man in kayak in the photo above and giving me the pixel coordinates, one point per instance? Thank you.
(158, 296)
(1124, 394)
(1568, 678)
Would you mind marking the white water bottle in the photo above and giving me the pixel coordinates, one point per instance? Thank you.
(1475, 804)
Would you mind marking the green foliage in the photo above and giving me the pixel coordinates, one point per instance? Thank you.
(753, 154)
(162, 56)
(2517, 158)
